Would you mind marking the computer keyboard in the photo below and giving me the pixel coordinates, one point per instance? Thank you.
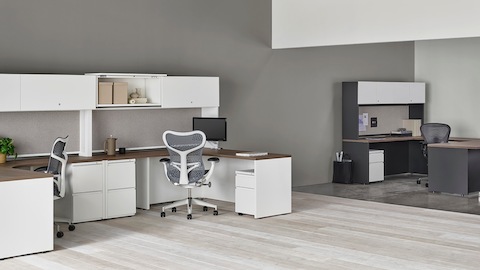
(252, 154)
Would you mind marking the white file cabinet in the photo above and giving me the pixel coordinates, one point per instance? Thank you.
(245, 192)
(376, 166)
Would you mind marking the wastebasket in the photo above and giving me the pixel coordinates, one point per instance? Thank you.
(342, 171)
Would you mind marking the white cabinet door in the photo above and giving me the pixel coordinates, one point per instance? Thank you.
(48, 92)
(87, 206)
(367, 93)
(10, 92)
(121, 203)
(120, 174)
(393, 93)
(417, 93)
(120, 183)
(190, 92)
(245, 201)
(86, 177)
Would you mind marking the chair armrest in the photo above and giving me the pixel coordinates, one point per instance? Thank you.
(214, 159)
(165, 160)
(41, 169)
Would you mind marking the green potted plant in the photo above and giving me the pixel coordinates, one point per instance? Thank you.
(6, 149)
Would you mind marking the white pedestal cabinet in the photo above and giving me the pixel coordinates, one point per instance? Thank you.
(99, 190)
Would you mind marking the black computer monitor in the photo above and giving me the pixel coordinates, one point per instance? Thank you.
(215, 128)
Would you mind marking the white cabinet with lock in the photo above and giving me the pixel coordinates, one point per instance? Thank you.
(99, 190)
(48, 92)
(190, 92)
(391, 93)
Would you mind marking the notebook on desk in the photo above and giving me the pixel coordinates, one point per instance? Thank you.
(252, 154)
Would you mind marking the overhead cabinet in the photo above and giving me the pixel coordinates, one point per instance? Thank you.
(390, 93)
(157, 90)
(190, 92)
(10, 92)
(46, 92)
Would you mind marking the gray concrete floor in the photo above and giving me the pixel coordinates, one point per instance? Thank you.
(402, 190)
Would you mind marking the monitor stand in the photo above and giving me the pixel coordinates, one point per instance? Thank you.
(212, 145)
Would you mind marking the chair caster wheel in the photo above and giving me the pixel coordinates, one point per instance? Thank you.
(189, 216)
(71, 227)
(240, 214)
(60, 234)
(174, 209)
(162, 214)
(215, 213)
(419, 182)
(426, 184)
(205, 209)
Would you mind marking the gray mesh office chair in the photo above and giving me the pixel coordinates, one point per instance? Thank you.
(57, 164)
(433, 133)
(185, 167)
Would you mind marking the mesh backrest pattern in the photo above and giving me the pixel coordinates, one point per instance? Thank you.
(181, 143)
(54, 165)
(435, 132)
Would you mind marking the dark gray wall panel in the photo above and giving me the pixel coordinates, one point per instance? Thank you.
(286, 101)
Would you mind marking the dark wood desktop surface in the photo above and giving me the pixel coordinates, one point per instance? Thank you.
(406, 138)
(11, 170)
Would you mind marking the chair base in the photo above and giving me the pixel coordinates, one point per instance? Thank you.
(57, 220)
(420, 179)
(189, 202)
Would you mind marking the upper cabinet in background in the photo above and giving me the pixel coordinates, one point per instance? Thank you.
(371, 93)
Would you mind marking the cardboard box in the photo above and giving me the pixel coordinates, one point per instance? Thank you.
(120, 93)
(413, 125)
(105, 92)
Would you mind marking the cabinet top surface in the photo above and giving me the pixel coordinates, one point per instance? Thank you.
(126, 75)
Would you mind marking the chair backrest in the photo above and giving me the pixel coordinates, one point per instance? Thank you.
(435, 132)
(185, 149)
(57, 164)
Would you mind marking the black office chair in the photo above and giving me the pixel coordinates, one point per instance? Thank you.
(57, 164)
(185, 167)
(432, 133)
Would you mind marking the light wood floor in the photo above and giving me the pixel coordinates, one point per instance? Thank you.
(322, 233)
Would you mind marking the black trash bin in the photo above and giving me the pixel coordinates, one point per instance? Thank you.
(342, 171)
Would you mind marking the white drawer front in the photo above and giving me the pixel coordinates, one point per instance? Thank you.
(121, 202)
(246, 181)
(86, 177)
(376, 172)
(121, 174)
(376, 156)
(87, 206)
(245, 201)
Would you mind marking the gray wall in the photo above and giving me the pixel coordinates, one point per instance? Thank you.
(451, 68)
(285, 101)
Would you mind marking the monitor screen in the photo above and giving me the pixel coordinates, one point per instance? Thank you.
(215, 129)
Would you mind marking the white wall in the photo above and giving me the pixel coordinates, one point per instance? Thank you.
(308, 23)
(451, 69)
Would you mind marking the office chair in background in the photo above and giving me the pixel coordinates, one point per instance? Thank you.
(57, 164)
(432, 133)
(185, 167)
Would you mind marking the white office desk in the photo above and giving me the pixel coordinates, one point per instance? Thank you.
(26, 210)
(271, 189)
